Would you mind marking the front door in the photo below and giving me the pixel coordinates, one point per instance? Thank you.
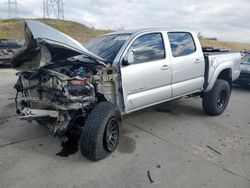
(147, 80)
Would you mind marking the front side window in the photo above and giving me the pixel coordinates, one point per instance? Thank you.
(246, 60)
(148, 47)
(182, 44)
(108, 46)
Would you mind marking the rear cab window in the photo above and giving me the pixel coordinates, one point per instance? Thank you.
(182, 43)
(148, 47)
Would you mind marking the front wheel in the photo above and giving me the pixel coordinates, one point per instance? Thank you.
(216, 100)
(100, 135)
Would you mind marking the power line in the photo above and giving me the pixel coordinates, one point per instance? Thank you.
(12, 9)
(53, 9)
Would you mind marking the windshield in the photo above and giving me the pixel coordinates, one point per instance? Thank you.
(246, 60)
(107, 46)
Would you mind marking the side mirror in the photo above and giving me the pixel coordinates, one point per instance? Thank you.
(129, 58)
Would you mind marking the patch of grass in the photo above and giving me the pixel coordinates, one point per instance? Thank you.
(225, 44)
(2, 33)
(14, 29)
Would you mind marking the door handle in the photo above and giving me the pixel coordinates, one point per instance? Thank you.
(164, 67)
(197, 61)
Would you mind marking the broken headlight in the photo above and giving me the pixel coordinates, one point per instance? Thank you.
(79, 88)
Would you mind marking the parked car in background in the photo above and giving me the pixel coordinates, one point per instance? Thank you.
(213, 49)
(7, 48)
(244, 78)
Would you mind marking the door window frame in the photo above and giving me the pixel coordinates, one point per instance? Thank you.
(192, 40)
(136, 37)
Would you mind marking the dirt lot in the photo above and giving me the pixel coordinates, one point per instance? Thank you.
(171, 145)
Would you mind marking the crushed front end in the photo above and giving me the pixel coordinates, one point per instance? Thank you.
(54, 97)
(57, 80)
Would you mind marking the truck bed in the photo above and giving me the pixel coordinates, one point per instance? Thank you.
(220, 57)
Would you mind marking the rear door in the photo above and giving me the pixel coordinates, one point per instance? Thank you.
(147, 80)
(188, 65)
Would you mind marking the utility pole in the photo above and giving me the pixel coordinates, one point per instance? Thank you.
(53, 9)
(12, 9)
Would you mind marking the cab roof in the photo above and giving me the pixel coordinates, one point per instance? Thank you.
(142, 30)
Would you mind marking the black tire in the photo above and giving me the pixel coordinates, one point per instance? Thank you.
(216, 100)
(95, 142)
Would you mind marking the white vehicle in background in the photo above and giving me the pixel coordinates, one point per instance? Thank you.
(68, 87)
(244, 78)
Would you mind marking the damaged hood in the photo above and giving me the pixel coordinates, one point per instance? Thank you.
(45, 45)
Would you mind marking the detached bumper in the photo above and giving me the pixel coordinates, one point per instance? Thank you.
(32, 114)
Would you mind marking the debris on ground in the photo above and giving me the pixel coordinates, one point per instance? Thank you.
(214, 150)
(158, 166)
(149, 177)
(69, 147)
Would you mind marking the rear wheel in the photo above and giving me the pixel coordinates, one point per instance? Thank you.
(216, 100)
(100, 135)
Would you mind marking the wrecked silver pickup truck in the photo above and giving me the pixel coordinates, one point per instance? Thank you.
(68, 87)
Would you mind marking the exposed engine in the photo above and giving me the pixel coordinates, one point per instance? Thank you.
(54, 94)
(61, 86)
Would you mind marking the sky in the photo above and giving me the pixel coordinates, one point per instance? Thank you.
(224, 19)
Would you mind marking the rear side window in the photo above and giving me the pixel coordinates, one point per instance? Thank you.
(181, 44)
(148, 47)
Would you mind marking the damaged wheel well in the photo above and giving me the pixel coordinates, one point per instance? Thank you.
(226, 75)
